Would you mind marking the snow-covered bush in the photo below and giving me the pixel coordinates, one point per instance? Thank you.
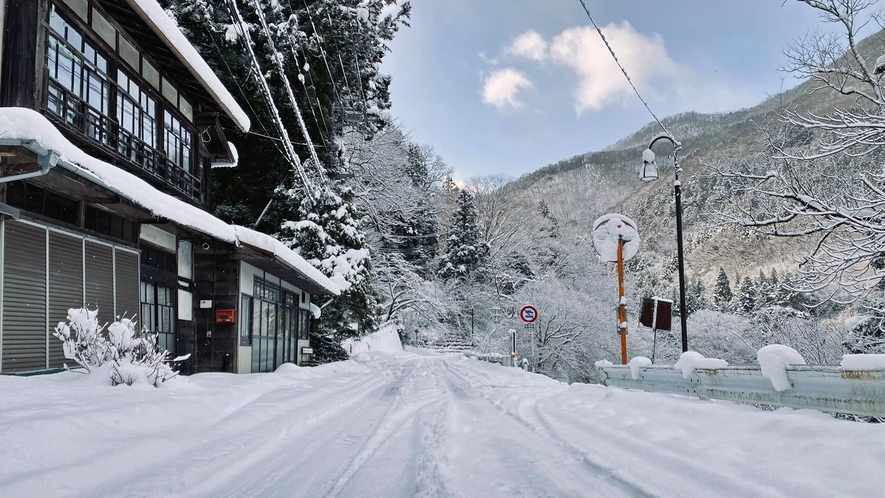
(128, 355)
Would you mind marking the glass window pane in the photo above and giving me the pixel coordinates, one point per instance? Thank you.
(186, 260)
(245, 313)
(104, 29)
(271, 320)
(55, 21)
(256, 321)
(150, 74)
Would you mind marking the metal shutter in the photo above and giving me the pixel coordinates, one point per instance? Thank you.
(24, 298)
(128, 299)
(100, 280)
(65, 284)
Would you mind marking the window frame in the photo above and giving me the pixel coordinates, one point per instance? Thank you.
(177, 165)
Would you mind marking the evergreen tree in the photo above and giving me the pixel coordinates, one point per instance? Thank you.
(328, 236)
(722, 295)
(764, 291)
(695, 297)
(544, 209)
(331, 53)
(466, 253)
(746, 297)
(868, 335)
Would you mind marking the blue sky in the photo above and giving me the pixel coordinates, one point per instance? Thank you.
(509, 86)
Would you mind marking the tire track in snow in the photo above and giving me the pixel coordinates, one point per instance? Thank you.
(598, 471)
(688, 476)
(270, 426)
(399, 412)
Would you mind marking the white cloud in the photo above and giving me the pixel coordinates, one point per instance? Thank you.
(600, 80)
(529, 45)
(500, 89)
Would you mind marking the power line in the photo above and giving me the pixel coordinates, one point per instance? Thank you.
(291, 94)
(615, 57)
(293, 158)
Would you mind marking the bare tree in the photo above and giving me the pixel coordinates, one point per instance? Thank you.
(838, 64)
(815, 176)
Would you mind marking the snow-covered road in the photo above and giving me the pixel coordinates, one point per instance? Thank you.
(390, 425)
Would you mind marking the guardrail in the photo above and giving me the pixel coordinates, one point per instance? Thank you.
(489, 357)
(824, 388)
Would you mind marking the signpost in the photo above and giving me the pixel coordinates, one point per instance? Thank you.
(529, 315)
(616, 240)
(512, 347)
(656, 314)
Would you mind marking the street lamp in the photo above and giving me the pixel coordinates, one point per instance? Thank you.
(650, 173)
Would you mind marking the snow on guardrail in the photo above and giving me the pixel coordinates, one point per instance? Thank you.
(841, 389)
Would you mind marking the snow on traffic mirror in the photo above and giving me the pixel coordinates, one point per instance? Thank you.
(607, 230)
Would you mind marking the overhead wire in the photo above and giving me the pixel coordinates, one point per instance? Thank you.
(245, 98)
(322, 50)
(615, 57)
(278, 61)
(240, 25)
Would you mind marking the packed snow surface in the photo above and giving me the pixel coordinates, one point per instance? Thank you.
(385, 340)
(690, 361)
(863, 362)
(406, 424)
(774, 360)
(636, 364)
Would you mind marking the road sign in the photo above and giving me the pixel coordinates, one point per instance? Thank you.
(528, 314)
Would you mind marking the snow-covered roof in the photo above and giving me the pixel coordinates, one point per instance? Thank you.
(20, 123)
(165, 28)
(235, 156)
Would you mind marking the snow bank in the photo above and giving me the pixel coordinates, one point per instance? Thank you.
(691, 361)
(774, 359)
(609, 229)
(636, 364)
(385, 340)
(287, 368)
(19, 123)
(603, 363)
(863, 362)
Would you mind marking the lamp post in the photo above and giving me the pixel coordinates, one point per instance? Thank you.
(650, 173)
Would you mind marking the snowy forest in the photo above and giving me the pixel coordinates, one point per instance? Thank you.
(783, 202)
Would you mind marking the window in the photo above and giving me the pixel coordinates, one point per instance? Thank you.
(78, 90)
(186, 260)
(113, 103)
(245, 319)
(274, 327)
(39, 201)
(155, 257)
(136, 111)
(158, 313)
(109, 224)
(304, 328)
(178, 142)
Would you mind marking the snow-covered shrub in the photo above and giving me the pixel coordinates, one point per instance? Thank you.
(128, 354)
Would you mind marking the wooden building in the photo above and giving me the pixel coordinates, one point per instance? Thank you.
(110, 124)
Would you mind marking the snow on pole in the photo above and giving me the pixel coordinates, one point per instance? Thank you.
(616, 239)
